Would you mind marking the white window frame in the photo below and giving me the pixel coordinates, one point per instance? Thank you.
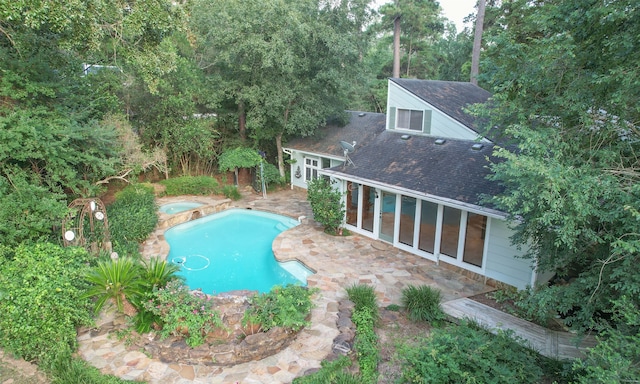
(311, 167)
(401, 115)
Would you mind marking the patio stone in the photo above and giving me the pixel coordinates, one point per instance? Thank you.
(339, 263)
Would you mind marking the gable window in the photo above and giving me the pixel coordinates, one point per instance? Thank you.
(409, 119)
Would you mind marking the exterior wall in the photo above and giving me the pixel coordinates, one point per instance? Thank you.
(503, 263)
(441, 124)
(298, 160)
(499, 264)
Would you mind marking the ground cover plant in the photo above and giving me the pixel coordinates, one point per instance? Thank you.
(467, 353)
(181, 313)
(46, 282)
(286, 307)
(365, 316)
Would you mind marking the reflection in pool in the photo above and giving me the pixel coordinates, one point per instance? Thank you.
(232, 250)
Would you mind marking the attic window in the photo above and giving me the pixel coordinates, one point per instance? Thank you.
(477, 146)
(440, 141)
(405, 137)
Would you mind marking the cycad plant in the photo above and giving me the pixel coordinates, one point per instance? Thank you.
(117, 281)
(157, 273)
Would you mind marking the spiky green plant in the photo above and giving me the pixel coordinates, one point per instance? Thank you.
(118, 281)
(422, 303)
(157, 273)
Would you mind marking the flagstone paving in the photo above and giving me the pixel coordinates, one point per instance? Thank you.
(339, 262)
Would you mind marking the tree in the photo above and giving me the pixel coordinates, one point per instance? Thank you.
(572, 178)
(241, 157)
(477, 42)
(416, 26)
(288, 75)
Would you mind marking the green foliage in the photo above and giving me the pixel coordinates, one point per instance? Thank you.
(470, 354)
(571, 175)
(271, 175)
(239, 157)
(366, 343)
(78, 371)
(363, 296)
(423, 303)
(117, 281)
(616, 357)
(365, 316)
(286, 307)
(182, 313)
(231, 192)
(330, 372)
(157, 273)
(29, 211)
(132, 217)
(191, 185)
(326, 204)
(41, 300)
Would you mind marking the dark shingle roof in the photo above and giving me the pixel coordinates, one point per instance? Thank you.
(451, 97)
(452, 170)
(361, 128)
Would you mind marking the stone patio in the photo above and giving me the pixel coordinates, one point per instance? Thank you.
(338, 262)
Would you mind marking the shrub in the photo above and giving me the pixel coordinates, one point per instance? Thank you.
(118, 281)
(470, 354)
(271, 176)
(132, 217)
(231, 192)
(191, 185)
(286, 307)
(182, 313)
(41, 300)
(422, 303)
(326, 204)
(330, 372)
(363, 296)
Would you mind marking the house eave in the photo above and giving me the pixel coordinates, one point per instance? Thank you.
(411, 193)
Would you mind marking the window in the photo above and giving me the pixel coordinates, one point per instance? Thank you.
(311, 167)
(474, 241)
(409, 119)
(450, 231)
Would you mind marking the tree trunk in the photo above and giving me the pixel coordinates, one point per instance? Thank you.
(242, 121)
(280, 154)
(477, 43)
(396, 47)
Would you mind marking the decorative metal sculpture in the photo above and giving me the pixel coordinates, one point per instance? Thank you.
(86, 225)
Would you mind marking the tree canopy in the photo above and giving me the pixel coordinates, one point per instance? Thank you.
(566, 90)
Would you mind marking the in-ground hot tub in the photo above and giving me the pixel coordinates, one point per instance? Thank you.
(173, 208)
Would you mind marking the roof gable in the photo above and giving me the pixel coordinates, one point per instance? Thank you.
(450, 97)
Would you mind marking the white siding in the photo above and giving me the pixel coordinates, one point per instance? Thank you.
(441, 124)
(299, 162)
(503, 263)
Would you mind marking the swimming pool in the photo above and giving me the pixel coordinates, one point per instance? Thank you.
(231, 250)
(173, 208)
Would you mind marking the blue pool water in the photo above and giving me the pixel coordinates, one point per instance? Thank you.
(173, 208)
(231, 250)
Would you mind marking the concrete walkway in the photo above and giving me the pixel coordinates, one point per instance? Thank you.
(338, 261)
(554, 344)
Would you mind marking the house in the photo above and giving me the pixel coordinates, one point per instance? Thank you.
(416, 178)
